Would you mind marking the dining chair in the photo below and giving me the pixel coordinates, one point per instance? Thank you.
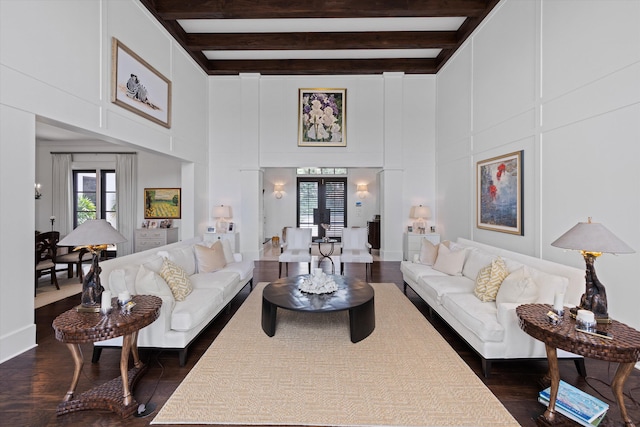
(297, 248)
(356, 249)
(45, 252)
(66, 255)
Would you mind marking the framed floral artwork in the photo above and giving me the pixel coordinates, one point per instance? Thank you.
(322, 117)
(499, 190)
(162, 203)
(138, 87)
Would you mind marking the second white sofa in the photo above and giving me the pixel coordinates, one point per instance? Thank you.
(491, 328)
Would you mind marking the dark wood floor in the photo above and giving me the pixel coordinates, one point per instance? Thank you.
(33, 383)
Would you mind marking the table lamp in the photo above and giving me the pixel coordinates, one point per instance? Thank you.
(222, 213)
(592, 240)
(420, 213)
(94, 235)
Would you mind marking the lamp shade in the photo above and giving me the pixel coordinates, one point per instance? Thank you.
(278, 187)
(362, 187)
(421, 212)
(93, 232)
(222, 212)
(592, 237)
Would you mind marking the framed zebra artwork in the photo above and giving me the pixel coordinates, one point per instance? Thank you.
(138, 87)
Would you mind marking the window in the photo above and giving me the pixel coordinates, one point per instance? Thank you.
(94, 196)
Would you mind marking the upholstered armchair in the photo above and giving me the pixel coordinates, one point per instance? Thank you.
(356, 249)
(297, 248)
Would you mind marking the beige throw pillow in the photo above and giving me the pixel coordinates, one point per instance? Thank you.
(448, 261)
(177, 279)
(210, 259)
(428, 252)
(519, 287)
(489, 280)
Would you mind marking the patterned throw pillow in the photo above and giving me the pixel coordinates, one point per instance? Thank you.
(177, 279)
(489, 280)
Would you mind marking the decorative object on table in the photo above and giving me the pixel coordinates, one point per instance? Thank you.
(94, 235)
(223, 213)
(420, 214)
(499, 195)
(52, 219)
(326, 228)
(362, 190)
(138, 87)
(318, 283)
(558, 303)
(322, 117)
(575, 404)
(592, 239)
(278, 190)
(38, 187)
(162, 203)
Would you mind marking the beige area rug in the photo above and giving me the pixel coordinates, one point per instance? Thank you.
(46, 294)
(309, 373)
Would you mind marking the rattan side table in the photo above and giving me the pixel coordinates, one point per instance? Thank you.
(73, 328)
(624, 349)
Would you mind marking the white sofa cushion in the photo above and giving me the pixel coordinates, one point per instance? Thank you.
(479, 317)
(197, 308)
(222, 280)
(450, 261)
(183, 257)
(210, 259)
(518, 287)
(177, 279)
(415, 270)
(437, 286)
(476, 260)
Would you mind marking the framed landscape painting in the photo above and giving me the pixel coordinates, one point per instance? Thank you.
(499, 193)
(322, 117)
(138, 87)
(162, 203)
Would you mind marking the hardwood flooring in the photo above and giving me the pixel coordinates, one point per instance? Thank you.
(33, 383)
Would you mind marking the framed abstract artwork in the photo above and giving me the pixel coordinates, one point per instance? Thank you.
(322, 117)
(499, 188)
(138, 87)
(162, 203)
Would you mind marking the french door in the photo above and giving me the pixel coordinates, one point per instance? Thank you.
(322, 201)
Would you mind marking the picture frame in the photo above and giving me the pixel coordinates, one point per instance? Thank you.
(153, 224)
(499, 193)
(230, 228)
(211, 229)
(322, 117)
(162, 203)
(138, 87)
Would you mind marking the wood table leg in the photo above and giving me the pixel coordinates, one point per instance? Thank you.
(124, 369)
(617, 386)
(134, 350)
(78, 363)
(554, 376)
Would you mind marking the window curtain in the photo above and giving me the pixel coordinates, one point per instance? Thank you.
(61, 192)
(126, 181)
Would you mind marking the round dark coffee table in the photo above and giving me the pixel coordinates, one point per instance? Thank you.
(352, 294)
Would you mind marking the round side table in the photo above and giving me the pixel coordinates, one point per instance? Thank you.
(73, 328)
(624, 348)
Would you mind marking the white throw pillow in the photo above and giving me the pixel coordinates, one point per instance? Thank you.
(177, 279)
(183, 257)
(519, 287)
(150, 283)
(428, 252)
(154, 264)
(449, 262)
(210, 259)
(476, 259)
(548, 285)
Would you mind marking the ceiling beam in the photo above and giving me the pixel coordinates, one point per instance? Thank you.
(322, 66)
(322, 41)
(274, 9)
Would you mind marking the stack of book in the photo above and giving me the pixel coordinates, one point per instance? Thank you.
(576, 405)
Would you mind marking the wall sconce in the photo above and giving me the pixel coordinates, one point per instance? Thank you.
(222, 213)
(278, 189)
(38, 193)
(420, 213)
(362, 190)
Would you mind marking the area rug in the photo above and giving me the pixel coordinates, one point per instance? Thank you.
(310, 373)
(47, 294)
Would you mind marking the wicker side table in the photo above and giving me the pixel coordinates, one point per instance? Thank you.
(624, 348)
(73, 328)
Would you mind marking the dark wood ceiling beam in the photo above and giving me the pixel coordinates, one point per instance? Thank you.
(272, 9)
(321, 66)
(323, 41)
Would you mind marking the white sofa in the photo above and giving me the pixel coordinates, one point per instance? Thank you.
(180, 322)
(492, 328)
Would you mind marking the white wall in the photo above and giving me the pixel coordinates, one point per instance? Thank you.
(55, 65)
(561, 81)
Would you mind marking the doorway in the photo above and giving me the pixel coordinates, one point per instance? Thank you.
(322, 201)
